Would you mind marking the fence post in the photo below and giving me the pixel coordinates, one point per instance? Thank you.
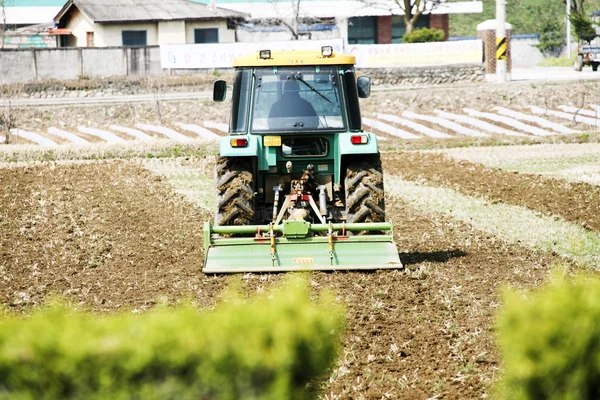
(34, 64)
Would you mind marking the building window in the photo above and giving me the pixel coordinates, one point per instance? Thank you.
(89, 39)
(134, 38)
(210, 35)
(399, 28)
(362, 30)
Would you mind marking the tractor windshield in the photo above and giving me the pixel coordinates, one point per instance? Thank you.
(296, 99)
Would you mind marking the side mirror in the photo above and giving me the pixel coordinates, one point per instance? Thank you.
(219, 91)
(364, 87)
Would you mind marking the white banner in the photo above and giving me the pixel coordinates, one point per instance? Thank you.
(221, 55)
(417, 54)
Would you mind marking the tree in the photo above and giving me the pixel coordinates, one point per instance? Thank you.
(290, 21)
(411, 10)
(2, 21)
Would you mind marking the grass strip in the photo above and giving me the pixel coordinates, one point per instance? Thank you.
(573, 162)
(15, 154)
(196, 184)
(515, 224)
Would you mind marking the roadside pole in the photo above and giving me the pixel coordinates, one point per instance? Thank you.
(568, 28)
(501, 40)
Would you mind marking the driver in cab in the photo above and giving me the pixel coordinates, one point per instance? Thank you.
(291, 105)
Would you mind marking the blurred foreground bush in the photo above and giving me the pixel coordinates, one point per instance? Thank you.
(550, 342)
(269, 347)
(423, 35)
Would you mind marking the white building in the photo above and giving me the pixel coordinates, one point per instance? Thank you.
(102, 23)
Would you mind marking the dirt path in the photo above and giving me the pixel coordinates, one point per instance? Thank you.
(428, 330)
(574, 201)
(108, 235)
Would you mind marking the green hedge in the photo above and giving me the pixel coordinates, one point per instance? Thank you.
(271, 347)
(423, 35)
(550, 342)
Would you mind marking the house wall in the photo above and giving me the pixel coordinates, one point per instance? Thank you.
(225, 35)
(440, 21)
(80, 25)
(110, 34)
(171, 32)
(384, 29)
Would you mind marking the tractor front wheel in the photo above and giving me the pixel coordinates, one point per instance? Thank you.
(365, 200)
(579, 63)
(235, 191)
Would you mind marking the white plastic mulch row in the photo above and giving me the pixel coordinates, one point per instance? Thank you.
(134, 132)
(453, 126)
(508, 121)
(104, 135)
(170, 133)
(71, 137)
(536, 120)
(580, 111)
(390, 130)
(217, 125)
(571, 117)
(33, 137)
(198, 130)
(478, 123)
(595, 107)
(413, 125)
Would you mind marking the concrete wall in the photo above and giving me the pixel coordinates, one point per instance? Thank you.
(57, 63)
(24, 65)
(524, 53)
(225, 35)
(37, 64)
(102, 62)
(17, 66)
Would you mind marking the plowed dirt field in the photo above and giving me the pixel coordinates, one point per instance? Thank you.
(110, 235)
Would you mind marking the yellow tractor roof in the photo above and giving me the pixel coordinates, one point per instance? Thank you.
(293, 58)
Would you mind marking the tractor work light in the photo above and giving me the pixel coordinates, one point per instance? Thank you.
(239, 142)
(326, 51)
(359, 139)
(265, 54)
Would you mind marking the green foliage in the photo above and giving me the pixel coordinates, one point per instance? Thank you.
(558, 61)
(550, 341)
(423, 35)
(269, 347)
(525, 16)
(581, 24)
(552, 37)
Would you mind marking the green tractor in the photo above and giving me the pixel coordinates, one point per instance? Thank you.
(299, 184)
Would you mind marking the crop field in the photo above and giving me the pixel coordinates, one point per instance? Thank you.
(118, 227)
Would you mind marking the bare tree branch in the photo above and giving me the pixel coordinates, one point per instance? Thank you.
(411, 10)
(294, 25)
(3, 22)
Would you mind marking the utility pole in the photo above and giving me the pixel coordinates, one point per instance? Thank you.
(501, 40)
(568, 28)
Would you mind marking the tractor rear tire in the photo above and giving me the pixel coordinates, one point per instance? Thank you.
(365, 201)
(235, 191)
